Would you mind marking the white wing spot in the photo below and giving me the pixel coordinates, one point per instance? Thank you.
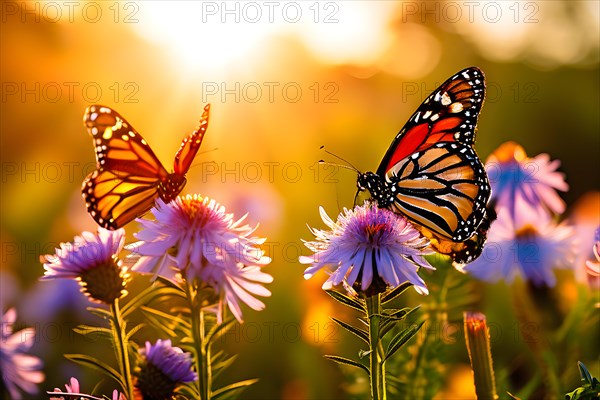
(446, 100)
(456, 107)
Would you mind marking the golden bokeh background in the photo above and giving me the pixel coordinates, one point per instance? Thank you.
(283, 78)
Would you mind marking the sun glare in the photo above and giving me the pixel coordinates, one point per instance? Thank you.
(202, 34)
(213, 35)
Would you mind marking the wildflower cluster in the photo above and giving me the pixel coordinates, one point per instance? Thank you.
(199, 252)
(525, 241)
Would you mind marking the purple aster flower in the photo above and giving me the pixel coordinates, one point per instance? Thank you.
(19, 370)
(195, 239)
(525, 185)
(164, 367)
(370, 247)
(525, 250)
(91, 260)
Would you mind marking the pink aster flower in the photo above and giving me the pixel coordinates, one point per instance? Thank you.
(370, 247)
(193, 238)
(92, 261)
(525, 185)
(19, 369)
(73, 392)
(524, 250)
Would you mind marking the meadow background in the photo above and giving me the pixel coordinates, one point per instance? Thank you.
(283, 79)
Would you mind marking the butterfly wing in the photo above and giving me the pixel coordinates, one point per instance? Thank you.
(449, 114)
(128, 173)
(437, 177)
(443, 188)
(190, 145)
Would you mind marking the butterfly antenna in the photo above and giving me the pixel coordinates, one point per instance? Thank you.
(348, 165)
(203, 152)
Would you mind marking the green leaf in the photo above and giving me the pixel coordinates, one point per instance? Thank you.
(390, 320)
(160, 321)
(585, 374)
(94, 363)
(218, 329)
(347, 300)
(233, 389)
(389, 296)
(222, 365)
(89, 330)
(187, 391)
(401, 338)
(352, 329)
(135, 330)
(363, 353)
(347, 361)
(410, 312)
(149, 295)
(173, 319)
(100, 312)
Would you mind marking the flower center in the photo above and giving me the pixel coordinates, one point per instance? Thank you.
(105, 282)
(153, 383)
(527, 232)
(374, 231)
(195, 208)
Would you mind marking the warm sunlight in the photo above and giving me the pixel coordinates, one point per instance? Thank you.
(207, 35)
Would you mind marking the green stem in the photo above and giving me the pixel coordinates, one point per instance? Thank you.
(376, 363)
(202, 349)
(436, 307)
(121, 348)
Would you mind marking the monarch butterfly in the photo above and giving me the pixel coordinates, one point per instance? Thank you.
(128, 176)
(431, 173)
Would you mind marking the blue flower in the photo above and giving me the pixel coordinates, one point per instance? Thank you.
(368, 246)
(592, 267)
(92, 261)
(528, 251)
(526, 186)
(19, 369)
(163, 369)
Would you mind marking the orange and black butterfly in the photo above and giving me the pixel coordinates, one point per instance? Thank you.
(128, 176)
(431, 173)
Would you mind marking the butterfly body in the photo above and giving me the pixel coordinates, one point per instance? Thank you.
(128, 176)
(431, 173)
